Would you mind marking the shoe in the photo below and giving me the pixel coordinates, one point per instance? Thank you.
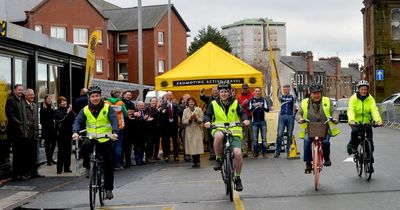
(187, 158)
(156, 158)
(36, 175)
(218, 165)
(255, 155)
(245, 155)
(118, 168)
(109, 195)
(176, 159)
(212, 157)
(49, 163)
(166, 158)
(150, 161)
(308, 168)
(371, 170)
(276, 155)
(87, 173)
(68, 171)
(238, 184)
(53, 161)
(327, 163)
(264, 155)
(196, 165)
(58, 172)
(127, 165)
(20, 178)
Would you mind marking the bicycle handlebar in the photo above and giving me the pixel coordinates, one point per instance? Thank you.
(227, 125)
(330, 119)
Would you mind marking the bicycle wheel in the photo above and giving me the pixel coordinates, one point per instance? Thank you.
(367, 160)
(92, 186)
(358, 159)
(229, 175)
(224, 172)
(316, 165)
(100, 184)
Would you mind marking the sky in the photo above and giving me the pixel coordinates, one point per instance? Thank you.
(326, 27)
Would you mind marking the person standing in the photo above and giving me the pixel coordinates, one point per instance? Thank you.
(127, 142)
(31, 144)
(17, 130)
(207, 101)
(81, 101)
(192, 118)
(286, 118)
(153, 126)
(140, 132)
(64, 117)
(244, 98)
(116, 103)
(169, 127)
(47, 122)
(258, 106)
(181, 131)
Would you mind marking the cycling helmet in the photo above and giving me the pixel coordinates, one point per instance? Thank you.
(362, 83)
(224, 85)
(315, 88)
(94, 89)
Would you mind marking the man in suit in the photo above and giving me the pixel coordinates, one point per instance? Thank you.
(169, 126)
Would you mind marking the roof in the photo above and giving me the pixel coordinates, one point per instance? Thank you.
(354, 73)
(14, 10)
(253, 21)
(205, 68)
(298, 63)
(126, 19)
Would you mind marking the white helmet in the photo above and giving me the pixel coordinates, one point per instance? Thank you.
(362, 83)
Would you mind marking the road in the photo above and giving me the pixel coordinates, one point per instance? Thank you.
(268, 184)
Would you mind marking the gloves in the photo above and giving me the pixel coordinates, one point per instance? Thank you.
(207, 124)
(114, 136)
(75, 136)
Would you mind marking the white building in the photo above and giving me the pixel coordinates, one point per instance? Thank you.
(246, 38)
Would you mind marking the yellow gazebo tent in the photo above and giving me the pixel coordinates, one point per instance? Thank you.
(204, 69)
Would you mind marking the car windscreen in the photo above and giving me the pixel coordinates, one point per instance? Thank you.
(343, 103)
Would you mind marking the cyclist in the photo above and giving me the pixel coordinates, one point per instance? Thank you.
(226, 109)
(316, 108)
(362, 109)
(100, 120)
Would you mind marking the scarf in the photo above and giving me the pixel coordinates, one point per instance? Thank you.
(95, 109)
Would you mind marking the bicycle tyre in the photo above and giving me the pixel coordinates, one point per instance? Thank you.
(368, 160)
(100, 184)
(316, 166)
(359, 159)
(223, 174)
(229, 175)
(92, 186)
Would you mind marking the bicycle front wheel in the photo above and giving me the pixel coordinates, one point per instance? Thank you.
(316, 165)
(100, 184)
(367, 160)
(358, 159)
(229, 175)
(92, 186)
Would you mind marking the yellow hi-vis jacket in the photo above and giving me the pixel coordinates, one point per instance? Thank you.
(326, 106)
(363, 111)
(100, 126)
(220, 117)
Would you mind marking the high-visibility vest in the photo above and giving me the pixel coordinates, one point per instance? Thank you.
(326, 106)
(100, 126)
(118, 110)
(220, 118)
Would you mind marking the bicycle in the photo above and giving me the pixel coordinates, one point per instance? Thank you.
(228, 166)
(96, 177)
(317, 132)
(363, 154)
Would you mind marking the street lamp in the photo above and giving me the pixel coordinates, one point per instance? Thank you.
(264, 24)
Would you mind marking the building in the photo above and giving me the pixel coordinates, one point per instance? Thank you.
(117, 54)
(382, 46)
(247, 38)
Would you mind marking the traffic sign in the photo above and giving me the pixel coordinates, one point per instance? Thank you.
(379, 75)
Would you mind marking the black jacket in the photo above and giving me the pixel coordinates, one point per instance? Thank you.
(16, 114)
(80, 103)
(164, 118)
(47, 121)
(64, 121)
(258, 112)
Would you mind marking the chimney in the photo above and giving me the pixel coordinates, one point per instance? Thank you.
(354, 66)
(337, 62)
(310, 63)
(299, 53)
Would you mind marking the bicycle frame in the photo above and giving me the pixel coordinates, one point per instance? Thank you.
(363, 157)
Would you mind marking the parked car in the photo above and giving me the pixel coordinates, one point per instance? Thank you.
(341, 108)
(392, 99)
(333, 100)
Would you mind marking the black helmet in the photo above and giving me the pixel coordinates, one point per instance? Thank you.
(314, 87)
(362, 83)
(94, 89)
(224, 85)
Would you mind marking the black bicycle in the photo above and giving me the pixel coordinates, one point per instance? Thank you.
(96, 178)
(363, 154)
(228, 166)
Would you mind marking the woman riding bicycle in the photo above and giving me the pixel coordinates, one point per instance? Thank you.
(100, 120)
(317, 108)
(362, 110)
(226, 109)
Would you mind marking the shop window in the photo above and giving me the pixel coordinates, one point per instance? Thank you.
(99, 65)
(81, 36)
(58, 32)
(161, 66)
(122, 42)
(123, 71)
(396, 24)
(5, 69)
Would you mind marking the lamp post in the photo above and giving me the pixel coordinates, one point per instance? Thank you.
(264, 51)
(140, 51)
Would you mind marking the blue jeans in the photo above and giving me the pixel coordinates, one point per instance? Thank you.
(257, 126)
(288, 122)
(326, 147)
(118, 151)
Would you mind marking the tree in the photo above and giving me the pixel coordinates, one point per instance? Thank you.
(210, 34)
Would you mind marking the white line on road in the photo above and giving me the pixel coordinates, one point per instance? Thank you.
(15, 198)
(349, 159)
(164, 207)
(193, 182)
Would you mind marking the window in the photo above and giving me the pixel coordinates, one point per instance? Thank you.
(161, 66)
(58, 32)
(101, 36)
(123, 71)
(5, 69)
(160, 37)
(122, 42)
(81, 36)
(39, 28)
(20, 73)
(99, 65)
(396, 24)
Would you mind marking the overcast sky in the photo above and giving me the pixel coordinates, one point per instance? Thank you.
(326, 27)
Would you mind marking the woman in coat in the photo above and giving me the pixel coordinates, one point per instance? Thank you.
(193, 118)
(47, 122)
(64, 117)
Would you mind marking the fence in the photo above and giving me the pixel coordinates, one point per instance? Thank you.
(390, 114)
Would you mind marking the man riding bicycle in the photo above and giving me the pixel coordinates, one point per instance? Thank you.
(100, 120)
(362, 109)
(226, 109)
(316, 108)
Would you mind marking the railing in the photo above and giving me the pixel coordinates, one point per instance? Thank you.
(390, 114)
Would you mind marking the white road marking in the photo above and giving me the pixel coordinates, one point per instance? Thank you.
(349, 159)
(15, 198)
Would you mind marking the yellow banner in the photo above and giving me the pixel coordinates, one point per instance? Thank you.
(90, 57)
(274, 78)
(3, 116)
